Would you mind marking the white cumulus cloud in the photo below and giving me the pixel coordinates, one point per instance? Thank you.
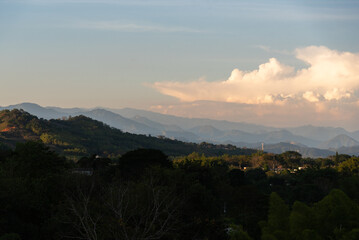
(310, 96)
(330, 76)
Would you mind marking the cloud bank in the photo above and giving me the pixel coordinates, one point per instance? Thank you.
(324, 93)
(290, 114)
(330, 76)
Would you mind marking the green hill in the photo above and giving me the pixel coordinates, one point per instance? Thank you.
(81, 136)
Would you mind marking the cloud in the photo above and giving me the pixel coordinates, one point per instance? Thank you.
(311, 97)
(336, 94)
(289, 114)
(330, 76)
(131, 27)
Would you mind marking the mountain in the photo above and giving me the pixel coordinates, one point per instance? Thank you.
(119, 122)
(305, 151)
(354, 135)
(67, 111)
(238, 136)
(201, 130)
(80, 136)
(207, 132)
(286, 136)
(349, 150)
(170, 131)
(156, 125)
(188, 123)
(318, 133)
(138, 124)
(169, 126)
(36, 110)
(339, 141)
(212, 134)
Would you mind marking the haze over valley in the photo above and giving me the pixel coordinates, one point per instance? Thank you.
(310, 141)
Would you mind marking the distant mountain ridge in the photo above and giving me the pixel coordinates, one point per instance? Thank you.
(117, 121)
(37, 110)
(198, 130)
(188, 123)
(318, 133)
(82, 136)
(339, 141)
(305, 151)
(315, 133)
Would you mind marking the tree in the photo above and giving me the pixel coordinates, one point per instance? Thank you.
(255, 175)
(352, 235)
(34, 160)
(237, 233)
(128, 211)
(291, 158)
(132, 164)
(278, 219)
(308, 234)
(236, 177)
(301, 218)
(350, 166)
(10, 236)
(30, 189)
(336, 214)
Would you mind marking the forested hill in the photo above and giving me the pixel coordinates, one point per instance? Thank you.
(80, 136)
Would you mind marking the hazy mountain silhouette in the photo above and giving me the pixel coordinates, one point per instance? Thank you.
(119, 122)
(82, 136)
(318, 133)
(198, 130)
(339, 141)
(36, 110)
(305, 151)
(188, 123)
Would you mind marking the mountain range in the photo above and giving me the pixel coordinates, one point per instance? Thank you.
(310, 141)
(81, 136)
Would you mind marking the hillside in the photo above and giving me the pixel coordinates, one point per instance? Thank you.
(279, 148)
(188, 123)
(339, 141)
(318, 133)
(309, 138)
(80, 136)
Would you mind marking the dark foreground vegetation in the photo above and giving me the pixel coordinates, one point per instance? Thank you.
(145, 195)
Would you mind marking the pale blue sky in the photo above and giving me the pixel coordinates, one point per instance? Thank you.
(88, 53)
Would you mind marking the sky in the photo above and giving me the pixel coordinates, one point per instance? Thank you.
(276, 63)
